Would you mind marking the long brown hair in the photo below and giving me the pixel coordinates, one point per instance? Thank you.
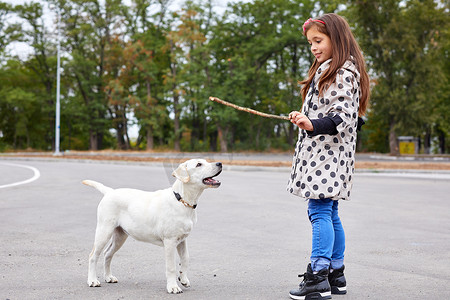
(344, 46)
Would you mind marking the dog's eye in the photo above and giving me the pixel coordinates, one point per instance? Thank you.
(198, 165)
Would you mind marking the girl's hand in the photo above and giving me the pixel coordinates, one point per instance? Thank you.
(300, 120)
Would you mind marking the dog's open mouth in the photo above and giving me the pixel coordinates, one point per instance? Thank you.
(211, 181)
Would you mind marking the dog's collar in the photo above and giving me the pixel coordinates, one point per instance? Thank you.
(178, 196)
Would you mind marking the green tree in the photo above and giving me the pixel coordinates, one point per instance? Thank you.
(88, 26)
(42, 61)
(402, 40)
(118, 79)
(261, 55)
(194, 27)
(22, 121)
(148, 55)
(136, 59)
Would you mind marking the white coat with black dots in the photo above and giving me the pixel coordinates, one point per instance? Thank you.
(323, 165)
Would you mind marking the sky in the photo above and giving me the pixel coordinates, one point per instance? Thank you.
(22, 50)
(219, 4)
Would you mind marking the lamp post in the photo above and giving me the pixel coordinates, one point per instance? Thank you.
(58, 107)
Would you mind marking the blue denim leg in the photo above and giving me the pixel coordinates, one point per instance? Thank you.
(320, 212)
(337, 258)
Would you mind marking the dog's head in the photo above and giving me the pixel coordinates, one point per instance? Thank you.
(199, 171)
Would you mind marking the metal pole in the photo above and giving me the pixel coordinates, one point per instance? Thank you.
(57, 123)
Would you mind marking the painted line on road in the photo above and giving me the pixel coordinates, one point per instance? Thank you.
(440, 176)
(36, 175)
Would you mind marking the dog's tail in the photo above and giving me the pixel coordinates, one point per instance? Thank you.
(100, 187)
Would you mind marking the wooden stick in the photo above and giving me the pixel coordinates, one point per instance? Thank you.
(246, 109)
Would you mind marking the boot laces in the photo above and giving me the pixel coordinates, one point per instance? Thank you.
(304, 275)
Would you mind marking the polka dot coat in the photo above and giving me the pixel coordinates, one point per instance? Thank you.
(323, 165)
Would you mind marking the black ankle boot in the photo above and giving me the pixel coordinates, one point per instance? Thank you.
(313, 286)
(337, 281)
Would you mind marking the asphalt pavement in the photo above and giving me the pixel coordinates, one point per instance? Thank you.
(232, 156)
(251, 240)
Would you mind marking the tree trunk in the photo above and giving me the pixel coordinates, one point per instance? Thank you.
(205, 130)
(69, 126)
(93, 141)
(28, 139)
(149, 138)
(427, 142)
(257, 135)
(393, 143)
(441, 141)
(213, 142)
(196, 127)
(221, 135)
(150, 144)
(99, 140)
(119, 136)
(176, 143)
(127, 138)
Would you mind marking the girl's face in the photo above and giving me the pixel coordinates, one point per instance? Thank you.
(320, 44)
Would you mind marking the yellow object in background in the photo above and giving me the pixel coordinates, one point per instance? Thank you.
(407, 147)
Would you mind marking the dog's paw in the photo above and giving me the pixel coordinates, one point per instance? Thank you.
(174, 289)
(111, 279)
(93, 283)
(184, 281)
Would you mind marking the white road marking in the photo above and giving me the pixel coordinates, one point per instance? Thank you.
(36, 175)
(399, 174)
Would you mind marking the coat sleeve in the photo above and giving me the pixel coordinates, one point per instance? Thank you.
(325, 125)
(343, 102)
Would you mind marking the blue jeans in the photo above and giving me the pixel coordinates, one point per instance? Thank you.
(328, 237)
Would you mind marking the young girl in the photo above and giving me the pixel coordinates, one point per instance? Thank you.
(335, 93)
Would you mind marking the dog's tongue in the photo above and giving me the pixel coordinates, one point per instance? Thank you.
(210, 181)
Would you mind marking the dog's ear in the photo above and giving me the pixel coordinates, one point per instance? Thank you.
(181, 173)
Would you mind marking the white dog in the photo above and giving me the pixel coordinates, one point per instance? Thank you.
(164, 217)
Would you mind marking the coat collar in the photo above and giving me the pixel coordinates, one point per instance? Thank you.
(349, 65)
(322, 68)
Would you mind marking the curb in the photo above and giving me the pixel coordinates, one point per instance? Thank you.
(403, 173)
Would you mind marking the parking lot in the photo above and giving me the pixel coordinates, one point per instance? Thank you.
(251, 240)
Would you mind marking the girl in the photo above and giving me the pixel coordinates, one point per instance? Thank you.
(335, 93)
